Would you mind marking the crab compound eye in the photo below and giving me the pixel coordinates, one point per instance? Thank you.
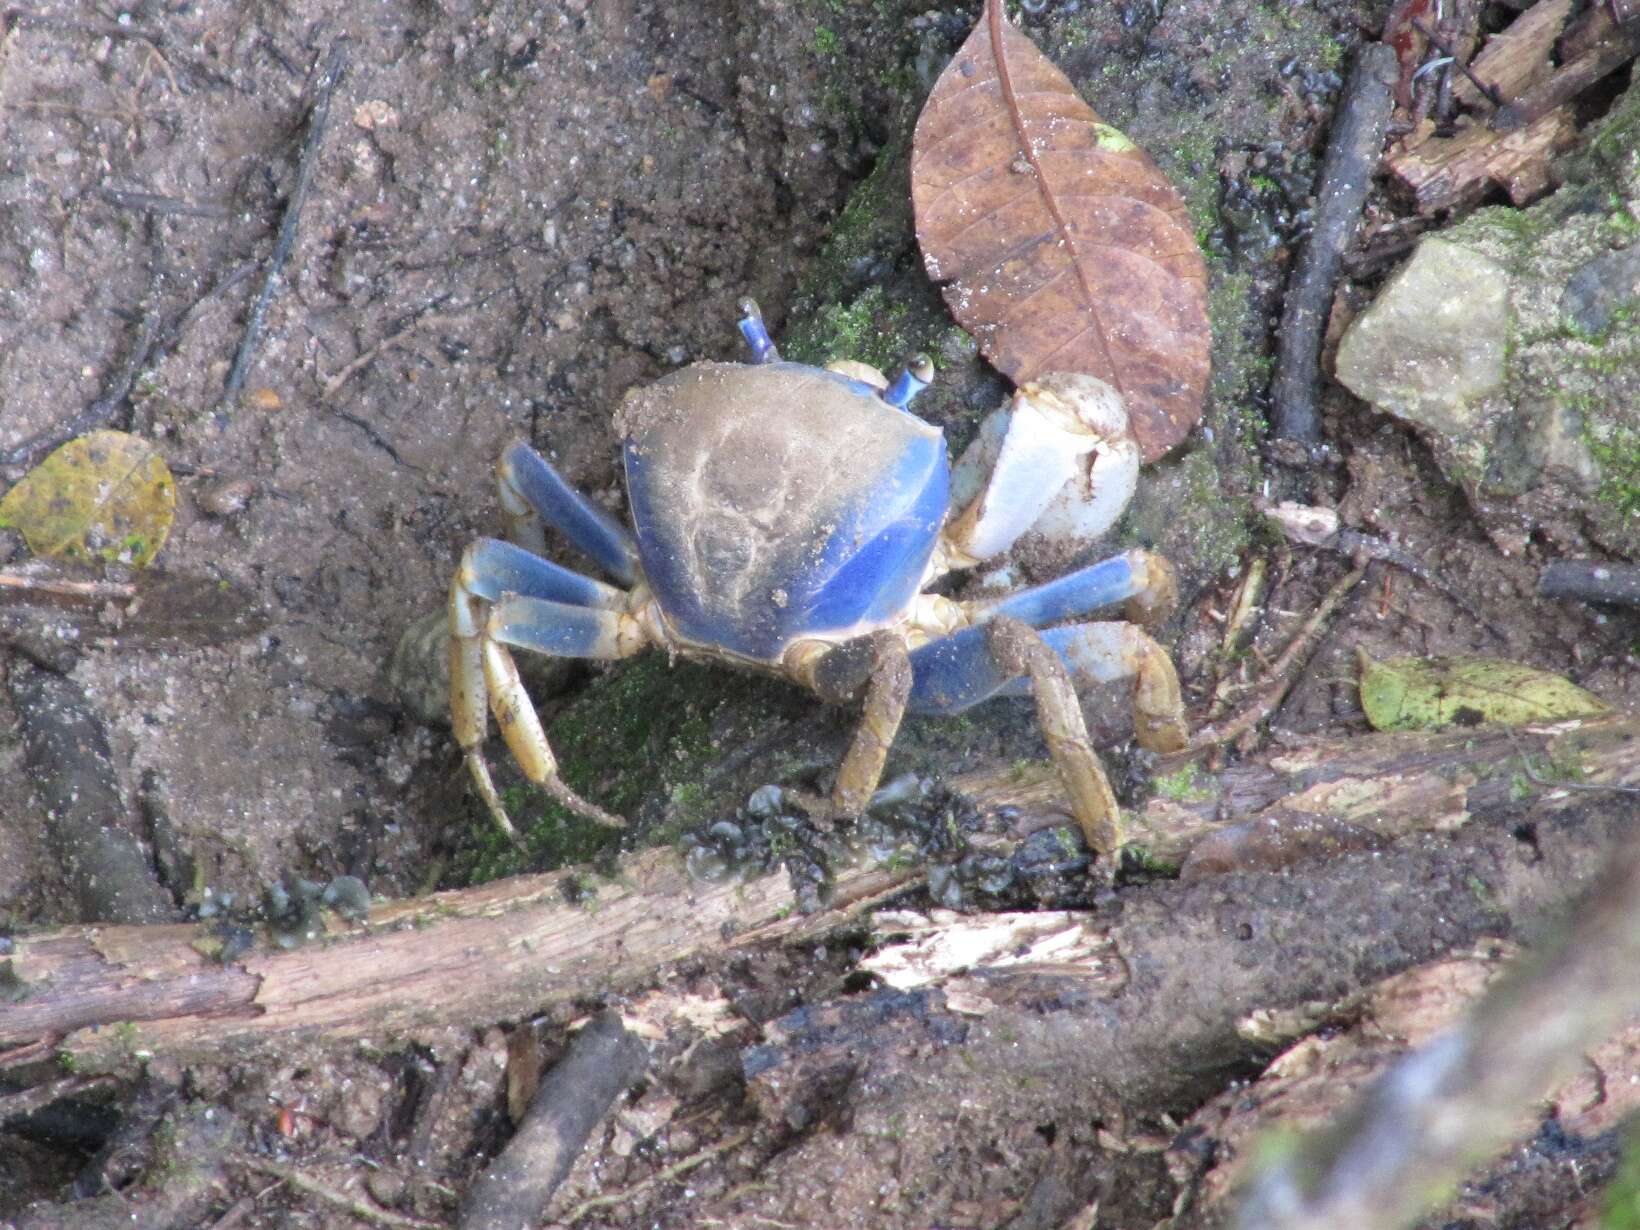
(917, 376)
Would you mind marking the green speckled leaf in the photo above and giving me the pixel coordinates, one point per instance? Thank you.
(104, 496)
(1432, 693)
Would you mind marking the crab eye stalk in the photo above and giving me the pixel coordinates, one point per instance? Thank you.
(756, 333)
(917, 376)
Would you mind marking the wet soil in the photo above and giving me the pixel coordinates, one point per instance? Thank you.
(519, 212)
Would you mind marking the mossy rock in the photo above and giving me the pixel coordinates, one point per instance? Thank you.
(1555, 447)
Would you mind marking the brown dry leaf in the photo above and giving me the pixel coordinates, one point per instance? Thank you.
(1063, 246)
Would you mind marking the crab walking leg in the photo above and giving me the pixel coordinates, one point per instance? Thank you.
(1027, 452)
(1018, 649)
(532, 492)
(1145, 585)
(957, 671)
(880, 662)
(1109, 652)
(491, 568)
(484, 676)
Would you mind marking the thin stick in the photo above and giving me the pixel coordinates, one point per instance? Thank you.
(1591, 581)
(364, 360)
(96, 591)
(154, 203)
(603, 1060)
(307, 162)
(1346, 174)
(1489, 92)
(1533, 776)
(1283, 671)
(292, 1177)
(666, 1175)
(149, 342)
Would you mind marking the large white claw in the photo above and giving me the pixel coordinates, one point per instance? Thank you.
(1058, 460)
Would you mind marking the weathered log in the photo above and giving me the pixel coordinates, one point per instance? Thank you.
(505, 950)
(1061, 1070)
(493, 953)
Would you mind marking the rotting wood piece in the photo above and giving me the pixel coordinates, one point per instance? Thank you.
(507, 949)
(1387, 784)
(1616, 48)
(1444, 173)
(1516, 58)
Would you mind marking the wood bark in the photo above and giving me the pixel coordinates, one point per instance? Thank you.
(508, 949)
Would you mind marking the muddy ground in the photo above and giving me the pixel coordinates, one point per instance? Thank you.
(520, 211)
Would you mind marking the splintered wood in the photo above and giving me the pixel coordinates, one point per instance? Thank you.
(1442, 173)
(1519, 90)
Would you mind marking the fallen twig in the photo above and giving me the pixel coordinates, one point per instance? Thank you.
(152, 202)
(91, 591)
(1590, 581)
(1346, 174)
(603, 1060)
(1488, 91)
(363, 360)
(1284, 672)
(68, 758)
(307, 163)
(292, 1177)
(1561, 783)
(150, 341)
(1320, 527)
(664, 1175)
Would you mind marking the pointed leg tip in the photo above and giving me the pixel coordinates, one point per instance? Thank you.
(560, 790)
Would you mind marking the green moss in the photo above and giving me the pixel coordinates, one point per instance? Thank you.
(1136, 860)
(643, 731)
(1620, 1210)
(868, 329)
(825, 41)
(1617, 449)
(1186, 785)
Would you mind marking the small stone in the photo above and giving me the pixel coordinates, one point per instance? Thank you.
(765, 801)
(1433, 343)
(225, 498)
(375, 113)
(386, 1188)
(1595, 293)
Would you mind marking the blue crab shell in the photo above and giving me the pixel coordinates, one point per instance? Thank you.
(778, 501)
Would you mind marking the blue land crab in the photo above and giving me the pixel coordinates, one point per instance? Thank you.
(788, 519)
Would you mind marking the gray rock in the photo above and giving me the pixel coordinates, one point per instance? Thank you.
(1434, 342)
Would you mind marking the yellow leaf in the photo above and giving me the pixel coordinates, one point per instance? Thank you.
(107, 496)
(1432, 693)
